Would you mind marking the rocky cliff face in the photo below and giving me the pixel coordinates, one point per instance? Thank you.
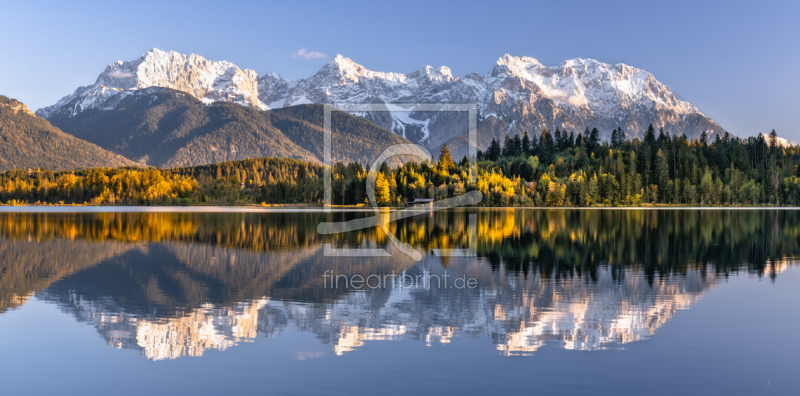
(519, 94)
(15, 107)
(206, 80)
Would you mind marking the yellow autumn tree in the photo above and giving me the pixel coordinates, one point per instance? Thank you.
(382, 192)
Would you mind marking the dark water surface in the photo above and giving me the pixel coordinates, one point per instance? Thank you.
(657, 302)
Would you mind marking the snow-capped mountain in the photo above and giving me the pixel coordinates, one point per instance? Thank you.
(519, 94)
(206, 80)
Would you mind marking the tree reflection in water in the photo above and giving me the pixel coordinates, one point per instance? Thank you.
(175, 284)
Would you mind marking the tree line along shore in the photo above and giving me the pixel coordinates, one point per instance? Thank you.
(553, 169)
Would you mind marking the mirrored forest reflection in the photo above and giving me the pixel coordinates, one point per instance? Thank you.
(175, 284)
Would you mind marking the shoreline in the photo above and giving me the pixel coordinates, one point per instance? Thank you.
(320, 209)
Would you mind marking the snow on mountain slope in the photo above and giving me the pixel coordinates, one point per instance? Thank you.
(207, 80)
(519, 94)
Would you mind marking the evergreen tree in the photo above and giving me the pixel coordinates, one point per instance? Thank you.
(494, 151)
(559, 140)
(517, 149)
(586, 140)
(662, 172)
(547, 147)
(650, 137)
(526, 144)
(661, 142)
(704, 138)
(773, 141)
(508, 147)
(594, 140)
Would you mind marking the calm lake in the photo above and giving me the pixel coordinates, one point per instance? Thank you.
(657, 302)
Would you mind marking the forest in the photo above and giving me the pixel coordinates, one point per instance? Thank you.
(553, 169)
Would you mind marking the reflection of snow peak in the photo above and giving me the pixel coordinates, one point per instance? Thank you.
(351, 337)
(208, 328)
(190, 335)
(520, 314)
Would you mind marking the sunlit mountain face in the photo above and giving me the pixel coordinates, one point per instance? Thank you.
(180, 284)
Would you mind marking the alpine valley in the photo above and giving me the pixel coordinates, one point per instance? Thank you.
(168, 109)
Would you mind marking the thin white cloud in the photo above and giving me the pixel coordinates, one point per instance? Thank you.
(117, 73)
(302, 53)
(560, 96)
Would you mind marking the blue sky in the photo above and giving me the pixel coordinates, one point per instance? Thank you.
(737, 61)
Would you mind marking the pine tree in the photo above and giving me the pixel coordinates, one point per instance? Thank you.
(547, 147)
(586, 141)
(508, 147)
(662, 140)
(632, 176)
(517, 149)
(494, 151)
(773, 141)
(662, 172)
(534, 146)
(650, 137)
(704, 138)
(526, 144)
(559, 140)
(594, 140)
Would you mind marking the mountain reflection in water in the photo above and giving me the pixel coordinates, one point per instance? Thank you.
(178, 284)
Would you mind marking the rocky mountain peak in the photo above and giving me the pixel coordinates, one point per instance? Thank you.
(519, 94)
(346, 71)
(430, 74)
(14, 105)
(209, 81)
(514, 66)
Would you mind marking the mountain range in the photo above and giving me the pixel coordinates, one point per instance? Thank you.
(167, 128)
(518, 94)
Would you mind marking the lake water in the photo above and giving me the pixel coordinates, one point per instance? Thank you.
(657, 302)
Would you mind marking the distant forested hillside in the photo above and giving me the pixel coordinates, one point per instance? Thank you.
(166, 128)
(30, 142)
